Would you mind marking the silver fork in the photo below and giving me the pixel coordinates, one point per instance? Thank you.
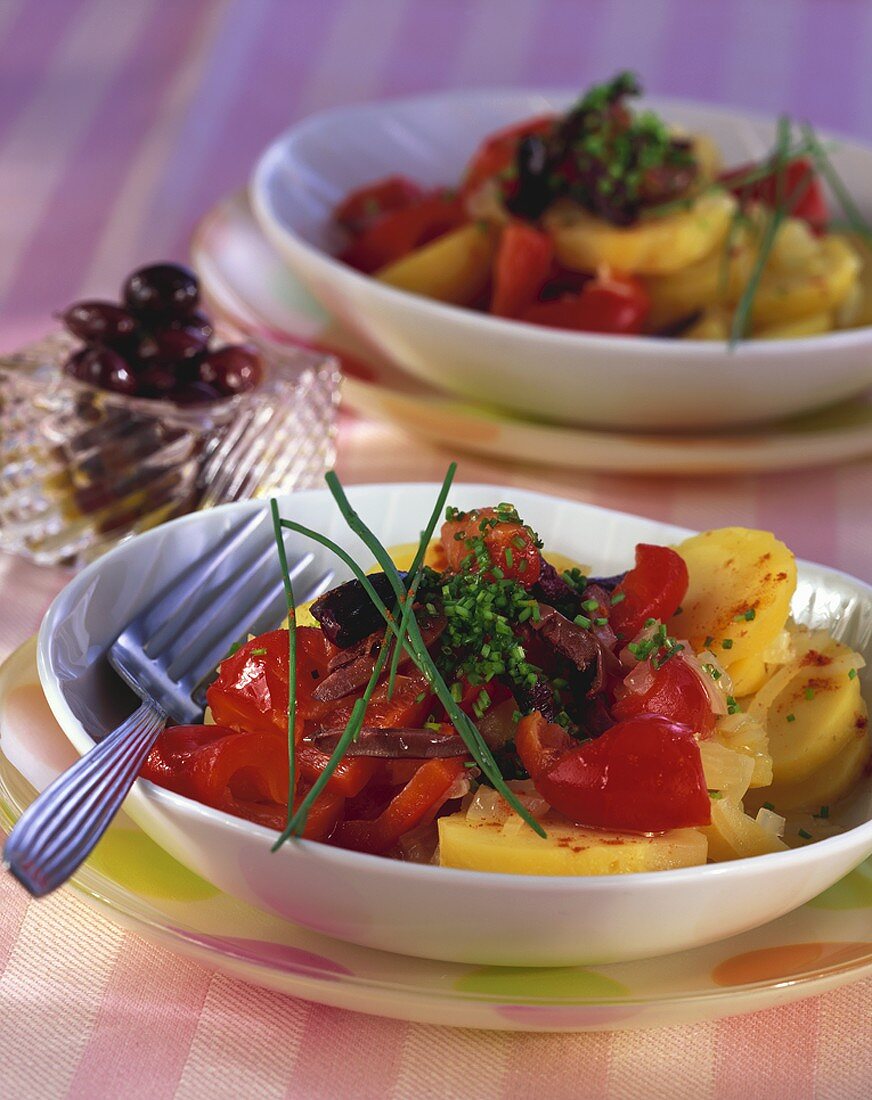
(166, 654)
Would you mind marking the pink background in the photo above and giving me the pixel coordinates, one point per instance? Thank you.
(121, 121)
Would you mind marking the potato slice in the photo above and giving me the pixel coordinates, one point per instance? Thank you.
(455, 268)
(825, 786)
(805, 280)
(812, 719)
(855, 310)
(734, 571)
(734, 835)
(567, 850)
(657, 246)
(715, 280)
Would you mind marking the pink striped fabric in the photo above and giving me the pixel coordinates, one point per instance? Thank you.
(120, 123)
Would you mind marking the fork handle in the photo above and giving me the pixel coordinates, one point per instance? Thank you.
(62, 826)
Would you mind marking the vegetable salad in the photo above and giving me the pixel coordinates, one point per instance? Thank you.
(482, 704)
(607, 220)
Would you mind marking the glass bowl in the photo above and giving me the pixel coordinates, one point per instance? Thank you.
(83, 468)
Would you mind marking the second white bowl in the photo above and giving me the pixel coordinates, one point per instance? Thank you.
(569, 377)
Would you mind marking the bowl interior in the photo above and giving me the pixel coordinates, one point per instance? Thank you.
(89, 700)
(308, 170)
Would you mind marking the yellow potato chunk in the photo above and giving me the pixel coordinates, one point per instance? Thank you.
(805, 279)
(818, 285)
(734, 835)
(487, 845)
(715, 280)
(813, 325)
(714, 324)
(828, 784)
(660, 245)
(454, 268)
(734, 572)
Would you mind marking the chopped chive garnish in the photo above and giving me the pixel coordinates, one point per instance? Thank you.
(709, 641)
(823, 812)
(590, 605)
(746, 616)
(715, 794)
(418, 651)
(601, 622)
(852, 674)
(582, 621)
(809, 693)
(768, 806)
(805, 835)
(727, 643)
(791, 718)
(617, 597)
(257, 652)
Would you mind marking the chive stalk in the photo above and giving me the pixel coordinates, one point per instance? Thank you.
(292, 653)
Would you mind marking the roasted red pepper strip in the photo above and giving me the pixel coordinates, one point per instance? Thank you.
(422, 795)
(615, 304)
(251, 691)
(642, 775)
(244, 774)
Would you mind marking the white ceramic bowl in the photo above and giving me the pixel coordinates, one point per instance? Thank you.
(607, 381)
(436, 912)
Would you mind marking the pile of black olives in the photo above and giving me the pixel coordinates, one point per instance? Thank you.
(158, 343)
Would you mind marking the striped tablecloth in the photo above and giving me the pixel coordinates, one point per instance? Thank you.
(121, 121)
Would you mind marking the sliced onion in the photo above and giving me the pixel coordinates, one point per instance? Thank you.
(394, 743)
(717, 695)
(639, 680)
(771, 822)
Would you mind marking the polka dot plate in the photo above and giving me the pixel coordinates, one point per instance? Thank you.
(134, 883)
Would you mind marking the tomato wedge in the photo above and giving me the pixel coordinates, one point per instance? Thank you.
(522, 265)
(361, 208)
(497, 152)
(653, 589)
(800, 185)
(674, 691)
(507, 544)
(641, 775)
(398, 232)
